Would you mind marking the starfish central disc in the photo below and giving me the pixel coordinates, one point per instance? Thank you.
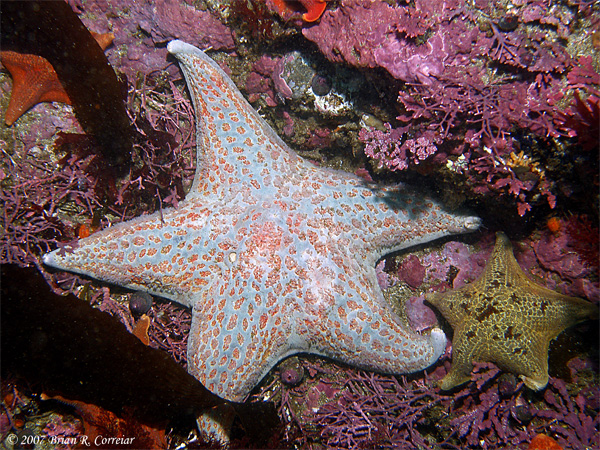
(274, 255)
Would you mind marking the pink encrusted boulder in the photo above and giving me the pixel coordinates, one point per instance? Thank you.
(411, 63)
(265, 65)
(259, 82)
(420, 315)
(258, 86)
(160, 20)
(412, 272)
(364, 33)
(458, 256)
(556, 255)
(167, 20)
(384, 279)
(351, 32)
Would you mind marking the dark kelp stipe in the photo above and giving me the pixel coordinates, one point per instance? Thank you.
(64, 346)
(53, 31)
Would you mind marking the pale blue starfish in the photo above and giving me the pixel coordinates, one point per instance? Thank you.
(274, 255)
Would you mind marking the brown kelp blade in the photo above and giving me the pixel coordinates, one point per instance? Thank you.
(52, 30)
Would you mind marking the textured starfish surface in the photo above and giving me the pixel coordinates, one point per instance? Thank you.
(314, 9)
(274, 255)
(505, 318)
(287, 9)
(35, 81)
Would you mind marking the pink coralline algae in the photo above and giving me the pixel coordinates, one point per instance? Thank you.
(557, 254)
(258, 86)
(344, 408)
(384, 279)
(283, 89)
(292, 76)
(412, 64)
(160, 21)
(420, 316)
(457, 259)
(30, 199)
(554, 258)
(65, 433)
(259, 82)
(411, 271)
(320, 138)
(489, 416)
(169, 330)
(570, 417)
(584, 239)
(165, 20)
(394, 153)
(169, 324)
(417, 43)
(475, 83)
(473, 120)
(34, 197)
(374, 34)
(582, 117)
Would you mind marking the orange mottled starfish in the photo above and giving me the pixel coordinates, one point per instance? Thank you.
(35, 81)
(314, 8)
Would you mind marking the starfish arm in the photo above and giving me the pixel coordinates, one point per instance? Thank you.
(235, 341)
(55, 94)
(464, 346)
(513, 348)
(532, 364)
(215, 423)
(346, 317)
(374, 221)
(556, 312)
(404, 218)
(453, 307)
(157, 253)
(314, 9)
(238, 335)
(365, 334)
(235, 145)
(240, 154)
(538, 383)
(550, 312)
(34, 81)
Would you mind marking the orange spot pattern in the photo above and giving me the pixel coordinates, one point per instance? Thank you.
(274, 255)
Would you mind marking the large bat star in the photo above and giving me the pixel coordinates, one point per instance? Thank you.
(274, 255)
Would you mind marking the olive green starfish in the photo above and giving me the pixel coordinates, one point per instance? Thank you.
(505, 318)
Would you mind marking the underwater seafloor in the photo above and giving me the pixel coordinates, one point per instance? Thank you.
(489, 106)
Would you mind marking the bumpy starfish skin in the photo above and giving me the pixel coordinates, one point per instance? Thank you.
(314, 9)
(505, 318)
(35, 80)
(274, 255)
